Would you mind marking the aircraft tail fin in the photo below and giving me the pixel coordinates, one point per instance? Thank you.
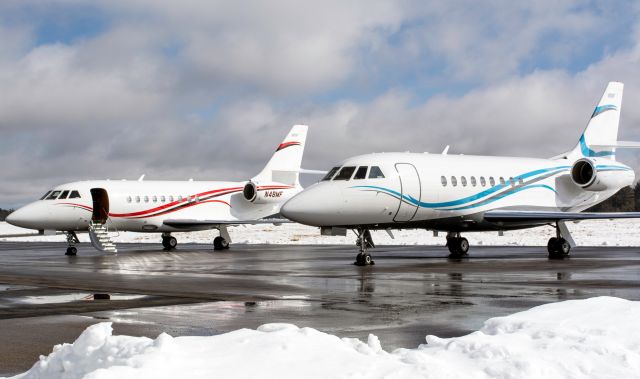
(600, 137)
(284, 165)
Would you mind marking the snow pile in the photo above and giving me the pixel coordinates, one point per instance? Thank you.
(593, 338)
(586, 233)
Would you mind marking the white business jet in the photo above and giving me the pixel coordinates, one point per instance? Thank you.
(463, 193)
(167, 206)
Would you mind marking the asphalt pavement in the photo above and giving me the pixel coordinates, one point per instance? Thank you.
(46, 298)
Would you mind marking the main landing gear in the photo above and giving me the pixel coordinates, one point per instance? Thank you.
(72, 240)
(458, 246)
(559, 247)
(222, 241)
(169, 242)
(364, 242)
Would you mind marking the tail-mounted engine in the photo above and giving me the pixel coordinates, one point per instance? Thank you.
(585, 174)
(268, 193)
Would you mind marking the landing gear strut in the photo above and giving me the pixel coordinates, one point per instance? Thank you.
(222, 241)
(72, 240)
(558, 247)
(458, 246)
(364, 242)
(169, 242)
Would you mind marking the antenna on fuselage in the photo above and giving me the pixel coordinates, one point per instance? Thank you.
(446, 150)
(141, 178)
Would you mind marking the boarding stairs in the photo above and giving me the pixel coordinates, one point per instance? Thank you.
(100, 239)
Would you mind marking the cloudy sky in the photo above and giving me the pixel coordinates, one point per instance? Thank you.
(207, 89)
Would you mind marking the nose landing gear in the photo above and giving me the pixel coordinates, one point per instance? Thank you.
(72, 240)
(364, 242)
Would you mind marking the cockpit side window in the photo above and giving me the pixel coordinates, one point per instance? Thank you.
(74, 195)
(345, 173)
(45, 195)
(375, 173)
(54, 195)
(361, 173)
(331, 173)
(64, 195)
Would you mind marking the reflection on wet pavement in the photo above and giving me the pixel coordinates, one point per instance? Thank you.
(409, 293)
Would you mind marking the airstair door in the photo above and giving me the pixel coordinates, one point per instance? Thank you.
(411, 192)
(100, 205)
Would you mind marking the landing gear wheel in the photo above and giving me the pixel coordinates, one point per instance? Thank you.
(458, 247)
(559, 248)
(71, 251)
(364, 259)
(169, 243)
(220, 243)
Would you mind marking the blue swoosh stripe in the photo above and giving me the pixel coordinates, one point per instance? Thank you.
(602, 109)
(467, 199)
(501, 196)
(612, 168)
(587, 152)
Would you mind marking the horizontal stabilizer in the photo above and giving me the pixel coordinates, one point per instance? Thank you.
(541, 216)
(619, 145)
(313, 172)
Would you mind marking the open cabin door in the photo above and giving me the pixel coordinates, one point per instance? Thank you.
(100, 205)
(411, 192)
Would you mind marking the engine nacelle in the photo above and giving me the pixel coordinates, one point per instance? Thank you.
(585, 174)
(268, 193)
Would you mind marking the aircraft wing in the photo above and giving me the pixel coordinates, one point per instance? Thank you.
(185, 223)
(542, 216)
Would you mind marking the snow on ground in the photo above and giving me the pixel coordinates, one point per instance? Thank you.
(586, 233)
(593, 338)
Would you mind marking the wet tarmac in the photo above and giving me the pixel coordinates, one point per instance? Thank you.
(46, 298)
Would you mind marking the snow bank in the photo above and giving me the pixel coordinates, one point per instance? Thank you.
(586, 233)
(593, 338)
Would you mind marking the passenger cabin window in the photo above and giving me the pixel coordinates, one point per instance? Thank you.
(331, 173)
(520, 181)
(512, 182)
(443, 180)
(129, 199)
(492, 181)
(54, 195)
(463, 180)
(361, 173)
(375, 173)
(482, 181)
(63, 195)
(137, 199)
(345, 173)
(155, 199)
(473, 181)
(146, 199)
(454, 181)
(45, 195)
(163, 199)
(502, 180)
(74, 195)
(171, 199)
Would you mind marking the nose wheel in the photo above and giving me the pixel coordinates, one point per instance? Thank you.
(72, 240)
(364, 242)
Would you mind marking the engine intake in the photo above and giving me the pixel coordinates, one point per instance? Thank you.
(250, 192)
(583, 173)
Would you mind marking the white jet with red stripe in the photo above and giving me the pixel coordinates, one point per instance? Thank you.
(99, 206)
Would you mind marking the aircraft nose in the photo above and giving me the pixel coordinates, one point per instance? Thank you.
(22, 217)
(309, 207)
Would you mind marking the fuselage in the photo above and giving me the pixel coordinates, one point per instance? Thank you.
(445, 192)
(143, 206)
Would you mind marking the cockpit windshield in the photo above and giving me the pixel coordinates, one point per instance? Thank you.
(45, 195)
(331, 173)
(54, 195)
(345, 173)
